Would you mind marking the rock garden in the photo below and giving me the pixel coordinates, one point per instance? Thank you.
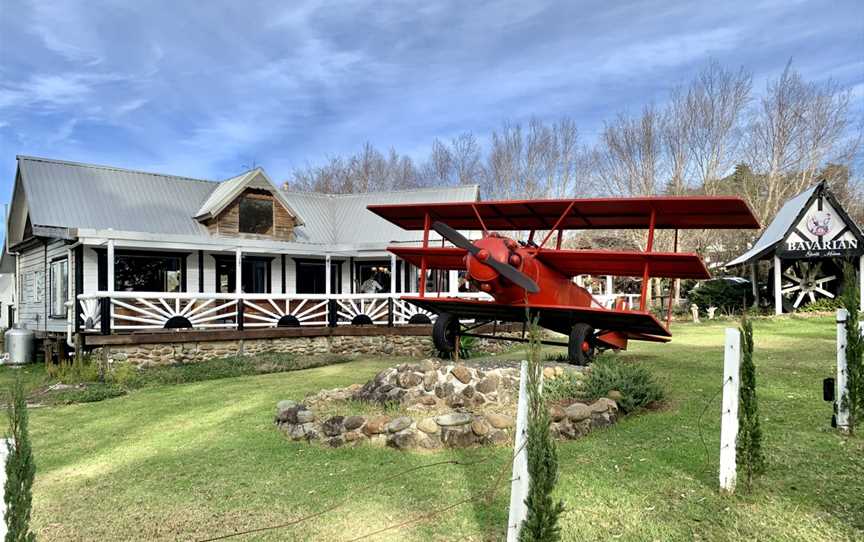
(432, 404)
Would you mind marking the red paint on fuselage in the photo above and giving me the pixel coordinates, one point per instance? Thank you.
(555, 288)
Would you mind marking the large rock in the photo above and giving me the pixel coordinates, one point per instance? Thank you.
(305, 416)
(333, 426)
(453, 419)
(480, 427)
(488, 384)
(428, 425)
(462, 373)
(557, 413)
(376, 425)
(353, 422)
(402, 440)
(578, 412)
(409, 380)
(604, 404)
(615, 395)
(289, 415)
(426, 365)
(458, 437)
(400, 423)
(444, 390)
(430, 378)
(499, 421)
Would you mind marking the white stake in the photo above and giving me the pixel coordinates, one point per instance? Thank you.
(729, 414)
(519, 485)
(841, 382)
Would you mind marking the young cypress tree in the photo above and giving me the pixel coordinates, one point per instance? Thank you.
(853, 399)
(20, 470)
(541, 521)
(748, 450)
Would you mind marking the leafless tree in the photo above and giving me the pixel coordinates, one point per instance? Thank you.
(796, 129)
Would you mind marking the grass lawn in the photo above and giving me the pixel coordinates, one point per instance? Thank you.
(197, 460)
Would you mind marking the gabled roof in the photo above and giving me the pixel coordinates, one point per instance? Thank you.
(787, 218)
(228, 190)
(71, 195)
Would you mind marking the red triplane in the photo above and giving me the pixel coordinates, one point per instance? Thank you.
(530, 280)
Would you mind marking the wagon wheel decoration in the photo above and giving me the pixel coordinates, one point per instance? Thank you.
(804, 280)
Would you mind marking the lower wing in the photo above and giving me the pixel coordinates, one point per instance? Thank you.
(636, 325)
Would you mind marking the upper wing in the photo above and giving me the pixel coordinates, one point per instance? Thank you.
(633, 324)
(671, 212)
(624, 264)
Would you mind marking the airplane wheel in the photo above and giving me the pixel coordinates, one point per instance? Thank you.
(580, 349)
(444, 332)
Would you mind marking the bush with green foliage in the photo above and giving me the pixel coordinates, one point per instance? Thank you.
(541, 520)
(824, 304)
(469, 347)
(566, 386)
(853, 399)
(748, 448)
(730, 296)
(636, 383)
(20, 469)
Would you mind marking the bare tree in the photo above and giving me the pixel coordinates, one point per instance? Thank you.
(796, 129)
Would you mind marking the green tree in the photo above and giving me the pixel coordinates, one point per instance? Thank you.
(853, 399)
(20, 470)
(748, 450)
(541, 521)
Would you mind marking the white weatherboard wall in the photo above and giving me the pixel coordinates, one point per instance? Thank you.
(729, 412)
(33, 303)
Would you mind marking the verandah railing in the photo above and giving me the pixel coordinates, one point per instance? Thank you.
(108, 312)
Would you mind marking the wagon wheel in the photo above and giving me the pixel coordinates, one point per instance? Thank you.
(803, 282)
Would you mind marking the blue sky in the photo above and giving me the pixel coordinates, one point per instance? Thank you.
(204, 88)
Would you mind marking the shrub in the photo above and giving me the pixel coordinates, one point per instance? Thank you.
(636, 384)
(20, 469)
(543, 511)
(749, 443)
(566, 386)
(822, 305)
(468, 348)
(729, 294)
(90, 393)
(853, 399)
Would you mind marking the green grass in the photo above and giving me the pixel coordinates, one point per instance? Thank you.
(196, 460)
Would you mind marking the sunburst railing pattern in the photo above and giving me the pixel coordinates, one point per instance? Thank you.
(143, 311)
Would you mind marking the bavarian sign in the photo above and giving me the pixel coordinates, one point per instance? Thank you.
(821, 232)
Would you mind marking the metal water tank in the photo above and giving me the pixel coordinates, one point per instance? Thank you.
(18, 344)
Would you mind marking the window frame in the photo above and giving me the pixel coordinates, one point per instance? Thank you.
(252, 199)
(65, 288)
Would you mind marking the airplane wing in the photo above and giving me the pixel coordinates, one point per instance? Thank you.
(436, 258)
(625, 264)
(636, 325)
(671, 212)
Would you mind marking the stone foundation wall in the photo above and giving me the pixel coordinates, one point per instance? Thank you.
(195, 351)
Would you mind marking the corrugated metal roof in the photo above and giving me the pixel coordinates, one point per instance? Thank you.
(776, 230)
(75, 195)
(222, 190)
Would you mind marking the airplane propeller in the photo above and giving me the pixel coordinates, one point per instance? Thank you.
(504, 269)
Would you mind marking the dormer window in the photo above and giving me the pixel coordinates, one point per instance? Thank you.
(256, 215)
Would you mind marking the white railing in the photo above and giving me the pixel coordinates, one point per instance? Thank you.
(139, 311)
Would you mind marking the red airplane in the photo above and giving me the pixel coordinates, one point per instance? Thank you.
(527, 280)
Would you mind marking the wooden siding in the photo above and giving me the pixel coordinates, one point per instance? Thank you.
(228, 222)
(34, 286)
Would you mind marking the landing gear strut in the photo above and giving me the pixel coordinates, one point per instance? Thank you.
(580, 349)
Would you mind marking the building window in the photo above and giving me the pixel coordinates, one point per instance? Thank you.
(373, 277)
(255, 271)
(148, 273)
(59, 287)
(256, 215)
(311, 277)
